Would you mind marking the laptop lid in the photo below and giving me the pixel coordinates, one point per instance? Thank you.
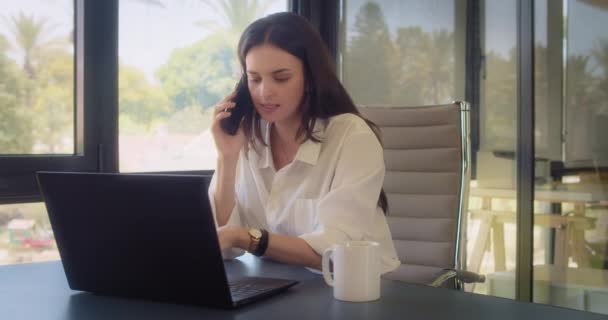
(141, 236)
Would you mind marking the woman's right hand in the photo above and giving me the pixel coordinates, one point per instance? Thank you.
(228, 146)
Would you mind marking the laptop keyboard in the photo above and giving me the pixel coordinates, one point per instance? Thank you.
(249, 287)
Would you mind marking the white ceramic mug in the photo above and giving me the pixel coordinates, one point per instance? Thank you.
(356, 270)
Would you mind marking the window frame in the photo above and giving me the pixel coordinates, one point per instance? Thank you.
(96, 102)
(95, 107)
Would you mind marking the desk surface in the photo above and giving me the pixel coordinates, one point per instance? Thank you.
(40, 291)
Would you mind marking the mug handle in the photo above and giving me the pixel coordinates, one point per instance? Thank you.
(327, 256)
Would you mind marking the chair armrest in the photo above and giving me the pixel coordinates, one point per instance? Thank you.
(461, 276)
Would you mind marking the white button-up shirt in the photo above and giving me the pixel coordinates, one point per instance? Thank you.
(328, 194)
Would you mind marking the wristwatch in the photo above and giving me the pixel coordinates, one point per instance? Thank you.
(254, 239)
(258, 241)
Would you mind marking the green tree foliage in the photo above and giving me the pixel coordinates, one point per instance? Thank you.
(425, 66)
(600, 105)
(140, 100)
(579, 81)
(46, 86)
(600, 54)
(417, 68)
(441, 65)
(53, 108)
(409, 44)
(499, 101)
(15, 125)
(30, 37)
(190, 120)
(201, 74)
(367, 71)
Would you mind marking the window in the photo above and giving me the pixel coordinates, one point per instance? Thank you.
(496, 157)
(37, 77)
(403, 52)
(571, 215)
(73, 124)
(42, 123)
(177, 59)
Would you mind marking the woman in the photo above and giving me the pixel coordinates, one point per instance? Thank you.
(304, 170)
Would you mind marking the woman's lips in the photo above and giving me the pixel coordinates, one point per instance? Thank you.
(269, 108)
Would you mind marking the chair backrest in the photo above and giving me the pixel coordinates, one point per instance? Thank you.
(426, 151)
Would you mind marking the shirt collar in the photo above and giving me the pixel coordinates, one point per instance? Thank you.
(308, 152)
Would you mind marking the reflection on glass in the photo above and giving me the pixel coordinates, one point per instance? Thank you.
(571, 212)
(400, 52)
(26, 234)
(492, 207)
(36, 77)
(177, 59)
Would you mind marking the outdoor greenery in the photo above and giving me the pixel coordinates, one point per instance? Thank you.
(412, 66)
(407, 65)
(36, 96)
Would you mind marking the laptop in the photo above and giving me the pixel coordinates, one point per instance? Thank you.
(144, 236)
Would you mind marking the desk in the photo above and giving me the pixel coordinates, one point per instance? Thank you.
(40, 291)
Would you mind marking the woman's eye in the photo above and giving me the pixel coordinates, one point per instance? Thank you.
(281, 79)
(254, 80)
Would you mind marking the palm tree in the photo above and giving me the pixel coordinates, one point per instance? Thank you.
(30, 37)
(236, 14)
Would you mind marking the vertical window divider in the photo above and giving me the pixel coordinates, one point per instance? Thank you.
(525, 149)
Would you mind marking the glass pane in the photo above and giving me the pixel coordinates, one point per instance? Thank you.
(492, 206)
(177, 59)
(36, 77)
(416, 47)
(571, 218)
(25, 234)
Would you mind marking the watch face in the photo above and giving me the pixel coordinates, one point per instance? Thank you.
(256, 233)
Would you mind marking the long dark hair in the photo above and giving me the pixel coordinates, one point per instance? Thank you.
(324, 95)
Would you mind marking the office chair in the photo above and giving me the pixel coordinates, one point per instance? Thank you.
(427, 156)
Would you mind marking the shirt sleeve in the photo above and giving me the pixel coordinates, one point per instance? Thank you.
(348, 210)
(235, 217)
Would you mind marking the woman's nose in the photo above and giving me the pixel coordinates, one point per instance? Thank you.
(267, 90)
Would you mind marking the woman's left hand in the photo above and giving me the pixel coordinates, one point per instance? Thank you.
(232, 236)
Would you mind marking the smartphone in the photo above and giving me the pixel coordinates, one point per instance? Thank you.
(243, 108)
